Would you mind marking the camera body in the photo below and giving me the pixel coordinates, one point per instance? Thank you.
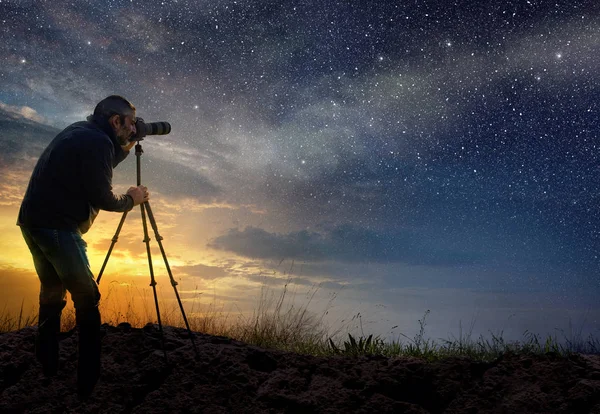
(149, 128)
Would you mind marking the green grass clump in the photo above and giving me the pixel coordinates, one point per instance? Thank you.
(484, 349)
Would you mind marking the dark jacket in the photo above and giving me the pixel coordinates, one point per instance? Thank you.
(72, 180)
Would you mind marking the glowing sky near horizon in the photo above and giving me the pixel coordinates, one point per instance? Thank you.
(415, 154)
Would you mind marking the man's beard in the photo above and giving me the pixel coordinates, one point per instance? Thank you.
(124, 137)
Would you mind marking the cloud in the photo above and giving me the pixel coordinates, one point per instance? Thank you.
(129, 245)
(344, 243)
(22, 135)
(203, 272)
(173, 178)
(22, 140)
(23, 112)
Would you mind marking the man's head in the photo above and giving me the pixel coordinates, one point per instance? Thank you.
(120, 114)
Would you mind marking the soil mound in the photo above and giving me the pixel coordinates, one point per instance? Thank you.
(233, 377)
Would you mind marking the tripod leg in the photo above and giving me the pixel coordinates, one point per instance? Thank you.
(173, 282)
(152, 280)
(112, 244)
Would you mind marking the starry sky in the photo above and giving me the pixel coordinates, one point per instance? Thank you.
(400, 155)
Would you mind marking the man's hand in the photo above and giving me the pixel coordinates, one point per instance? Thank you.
(139, 194)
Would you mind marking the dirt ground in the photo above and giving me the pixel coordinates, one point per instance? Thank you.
(231, 377)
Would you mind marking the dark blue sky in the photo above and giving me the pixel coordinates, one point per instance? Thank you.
(420, 137)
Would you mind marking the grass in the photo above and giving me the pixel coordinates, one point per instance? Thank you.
(9, 322)
(279, 323)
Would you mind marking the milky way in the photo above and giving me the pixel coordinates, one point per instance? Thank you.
(444, 135)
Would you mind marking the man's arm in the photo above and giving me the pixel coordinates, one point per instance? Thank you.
(97, 169)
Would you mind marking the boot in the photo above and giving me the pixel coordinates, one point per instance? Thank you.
(88, 364)
(46, 340)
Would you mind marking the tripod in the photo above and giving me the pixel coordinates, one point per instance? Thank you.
(145, 208)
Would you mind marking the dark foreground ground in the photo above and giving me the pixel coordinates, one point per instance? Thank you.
(232, 377)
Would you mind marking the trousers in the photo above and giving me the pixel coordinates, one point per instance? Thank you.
(61, 262)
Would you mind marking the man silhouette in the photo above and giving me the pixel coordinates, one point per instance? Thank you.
(70, 183)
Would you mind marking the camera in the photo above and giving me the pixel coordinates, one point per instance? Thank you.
(149, 128)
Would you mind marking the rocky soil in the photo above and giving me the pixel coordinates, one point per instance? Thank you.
(232, 377)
